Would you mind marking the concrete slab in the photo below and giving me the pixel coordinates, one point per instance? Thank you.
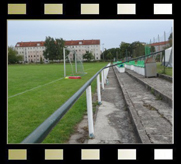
(113, 122)
(152, 116)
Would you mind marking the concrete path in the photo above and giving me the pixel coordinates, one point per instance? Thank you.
(113, 123)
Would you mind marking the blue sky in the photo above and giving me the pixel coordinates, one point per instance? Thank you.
(111, 32)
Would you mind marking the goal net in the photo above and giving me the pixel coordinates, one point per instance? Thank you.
(73, 64)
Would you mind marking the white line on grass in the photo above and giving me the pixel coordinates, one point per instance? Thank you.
(37, 87)
(34, 88)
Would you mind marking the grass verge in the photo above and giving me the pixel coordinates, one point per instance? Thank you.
(160, 69)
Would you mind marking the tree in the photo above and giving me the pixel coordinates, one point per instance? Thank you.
(125, 47)
(109, 56)
(152, 49)
(137, 49)
(53, 48)
(41, 60)
(13, 56)
(170, 39)
(88, 55)
(59, 43)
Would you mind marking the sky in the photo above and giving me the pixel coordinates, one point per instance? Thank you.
(110, 32)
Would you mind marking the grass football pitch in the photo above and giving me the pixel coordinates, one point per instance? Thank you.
(35, 91)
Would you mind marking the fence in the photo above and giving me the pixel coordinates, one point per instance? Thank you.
(39, 134)
(161, 42)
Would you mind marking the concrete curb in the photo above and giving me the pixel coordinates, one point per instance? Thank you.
(156, 92)
(136, 121)
(166, 77)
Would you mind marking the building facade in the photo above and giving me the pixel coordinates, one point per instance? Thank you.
(81, 46)
(33, 51)
(159, 46)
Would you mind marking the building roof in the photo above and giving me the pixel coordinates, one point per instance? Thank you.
(81, 42)
(159, 43)
(67, 43)
(29, 44)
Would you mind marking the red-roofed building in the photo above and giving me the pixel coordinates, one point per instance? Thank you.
(81, 46)
(160, 45)
(32, 51)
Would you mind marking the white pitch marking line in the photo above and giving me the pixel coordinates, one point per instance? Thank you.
(34, 88)
(37, 87)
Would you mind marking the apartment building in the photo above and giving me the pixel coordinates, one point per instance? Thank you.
(159, 46)
(81, 46)
(33, 51)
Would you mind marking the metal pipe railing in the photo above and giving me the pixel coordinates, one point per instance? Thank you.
(39, 134)
(144, 56)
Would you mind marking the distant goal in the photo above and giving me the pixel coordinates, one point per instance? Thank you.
(73, 63)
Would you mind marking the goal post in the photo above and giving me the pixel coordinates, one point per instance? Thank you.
(73, 64)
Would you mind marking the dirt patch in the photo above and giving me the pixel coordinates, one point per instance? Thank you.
(81, 133)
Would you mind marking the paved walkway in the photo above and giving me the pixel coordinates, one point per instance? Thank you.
(113, 123)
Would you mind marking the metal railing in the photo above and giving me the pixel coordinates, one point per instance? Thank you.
(39, 134)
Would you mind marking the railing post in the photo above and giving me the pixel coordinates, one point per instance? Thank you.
(104, 73)
(98, 90)
(102, 78)
(89, 112)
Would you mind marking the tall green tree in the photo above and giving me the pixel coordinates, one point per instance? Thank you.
(109, 56)
(88, 55)
(137, 49)
(59, 43)
(13, 56)
(152, 49)
(125, 48)
(170, 39)
(53, 48)
(115, 53)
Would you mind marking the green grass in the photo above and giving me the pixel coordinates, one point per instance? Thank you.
(160, 69)
(28, 110)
